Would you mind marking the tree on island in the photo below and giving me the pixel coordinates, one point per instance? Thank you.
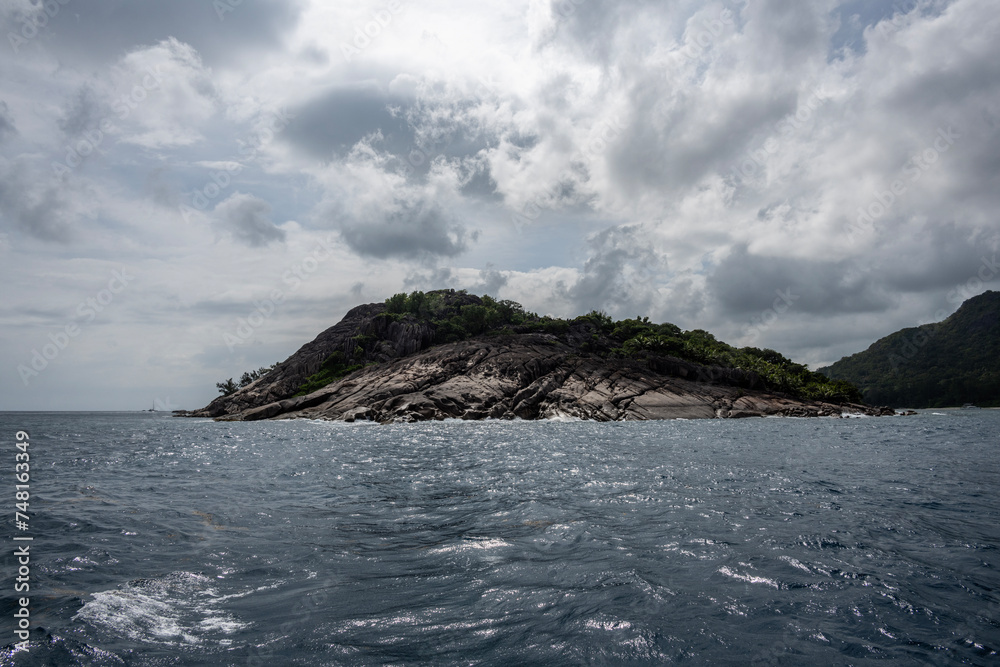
(229, 387)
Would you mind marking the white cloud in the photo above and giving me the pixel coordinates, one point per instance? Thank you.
(164, 94)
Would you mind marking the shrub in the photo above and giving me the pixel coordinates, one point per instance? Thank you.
(332, 369)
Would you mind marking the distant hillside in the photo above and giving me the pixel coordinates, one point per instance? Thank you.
(946, 364)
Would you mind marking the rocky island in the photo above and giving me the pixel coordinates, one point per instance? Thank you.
(449, 354)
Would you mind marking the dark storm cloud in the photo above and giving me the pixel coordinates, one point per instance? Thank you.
(411, 230)
(334, 122)
(32, 202)
(245, 218)
(82, 112)
(619, 275)
(162, 188)
(438, 278)
(788, 32)
(935, 257)
(959, 102)
(6, 122)
(937, 88)
(490, 281)
(481, 185)
(698, 147)
(745, 284)
(103, 30)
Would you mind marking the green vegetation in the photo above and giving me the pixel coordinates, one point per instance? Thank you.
(454, 320)
(947, 364)
(641, 339)
(453, 316)
(229, 387)
(334, 368)
(597, 333)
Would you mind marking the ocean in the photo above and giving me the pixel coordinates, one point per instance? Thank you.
(171, 541)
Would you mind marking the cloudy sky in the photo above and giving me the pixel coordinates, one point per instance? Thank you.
(191, 189)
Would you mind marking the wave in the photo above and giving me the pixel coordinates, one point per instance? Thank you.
(181, 608)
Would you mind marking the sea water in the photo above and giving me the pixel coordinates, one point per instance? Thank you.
(169, 541)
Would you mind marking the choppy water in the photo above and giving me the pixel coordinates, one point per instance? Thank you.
(163, 541)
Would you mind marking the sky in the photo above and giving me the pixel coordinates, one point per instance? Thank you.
(193, 189)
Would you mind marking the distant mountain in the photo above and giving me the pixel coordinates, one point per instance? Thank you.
(946, 364)
(449, 354)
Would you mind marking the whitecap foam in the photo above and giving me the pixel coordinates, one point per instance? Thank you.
(331, 423)
(180, 608)
(748, 578)
(796, 563)
(560, 416)
(474, 544)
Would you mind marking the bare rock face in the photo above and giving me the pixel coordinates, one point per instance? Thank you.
(396, 339)
(509, 374)
(531, 376)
